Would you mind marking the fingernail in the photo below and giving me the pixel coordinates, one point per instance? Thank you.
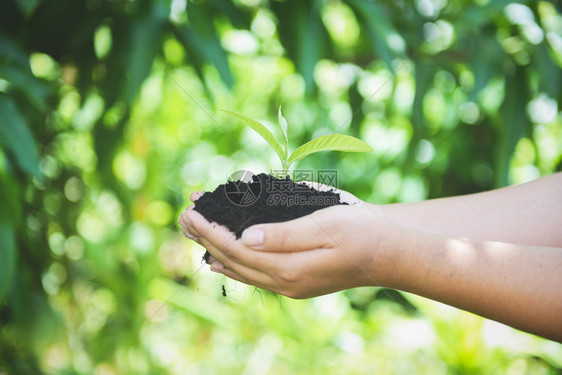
(253, 237)
(217, 267)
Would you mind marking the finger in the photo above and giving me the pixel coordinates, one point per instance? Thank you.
(186, 224)
(183, 224)
(187, 230)
(224, 261)
(196, 195)
(190, 236)
(204, 228)
(301, 234)
(222, 264)
(215, 265)
(182, 220)
(190, 233)
(233, 275)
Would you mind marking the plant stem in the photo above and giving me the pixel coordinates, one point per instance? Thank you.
(285, 165)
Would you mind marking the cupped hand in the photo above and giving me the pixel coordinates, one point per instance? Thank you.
(331, 249)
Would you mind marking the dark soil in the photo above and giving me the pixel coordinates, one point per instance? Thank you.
(266, 199)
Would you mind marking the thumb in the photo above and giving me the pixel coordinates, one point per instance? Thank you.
(301, 234)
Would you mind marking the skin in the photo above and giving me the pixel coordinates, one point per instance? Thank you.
(497, 254)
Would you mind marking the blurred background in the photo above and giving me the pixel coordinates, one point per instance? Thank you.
(110, 117)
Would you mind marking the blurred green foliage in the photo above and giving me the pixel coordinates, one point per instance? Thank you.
(108, 121)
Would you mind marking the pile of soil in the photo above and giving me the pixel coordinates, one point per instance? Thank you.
(265, 199)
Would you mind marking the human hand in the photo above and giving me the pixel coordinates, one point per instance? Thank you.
(330, 250)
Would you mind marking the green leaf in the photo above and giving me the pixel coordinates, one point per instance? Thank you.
(515, 124)
(263, 132)
(7, 256)
(149, 30)
(11, 51)
(284, 129)
(239, 17)
(27, 6)
(202, 43)
(7, 247)
(35, 91)
(475, 14)
(545, 64)
(379, 29)
(303, 35)
(425, 72)
(17, 137)
(15, 68)
(332, 142)
(486, 64)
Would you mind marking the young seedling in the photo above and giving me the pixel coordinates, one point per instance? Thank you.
(332, 142)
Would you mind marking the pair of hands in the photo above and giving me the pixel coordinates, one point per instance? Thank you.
(329, 250)
(476, 252)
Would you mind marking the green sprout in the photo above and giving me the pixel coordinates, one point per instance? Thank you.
(332, 142)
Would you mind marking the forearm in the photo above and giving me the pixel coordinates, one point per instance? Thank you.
(528, 214)
(517, 285)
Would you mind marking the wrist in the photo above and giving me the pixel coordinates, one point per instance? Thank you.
(383, 261)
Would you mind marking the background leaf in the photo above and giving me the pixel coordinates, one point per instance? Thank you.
(379, 30)
(303, 35)
(16, 70)
(202, 42)
(7, 238)
(515, 124)
(16, 137)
